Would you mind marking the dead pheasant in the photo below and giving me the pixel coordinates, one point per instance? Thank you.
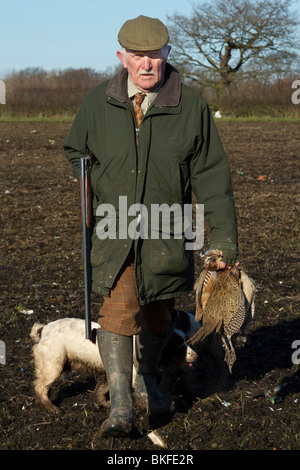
(205, 282)
(224, 303)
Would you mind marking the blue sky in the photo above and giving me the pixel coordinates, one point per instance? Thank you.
(57, 34)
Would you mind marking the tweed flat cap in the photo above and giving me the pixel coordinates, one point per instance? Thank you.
(143, 34)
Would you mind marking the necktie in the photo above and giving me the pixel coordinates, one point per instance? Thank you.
(139, 98)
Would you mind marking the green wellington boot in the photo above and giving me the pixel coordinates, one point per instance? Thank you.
(149, 349)
(116, 354)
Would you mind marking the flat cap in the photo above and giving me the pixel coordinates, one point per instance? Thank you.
(143, 34)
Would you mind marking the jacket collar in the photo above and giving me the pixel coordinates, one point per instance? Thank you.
(168, 95)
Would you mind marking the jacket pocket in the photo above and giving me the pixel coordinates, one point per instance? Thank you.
(97, 171)
(168, 257)
(180, 180)
(111, 178)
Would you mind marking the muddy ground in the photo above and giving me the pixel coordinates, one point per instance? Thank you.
(41, 280)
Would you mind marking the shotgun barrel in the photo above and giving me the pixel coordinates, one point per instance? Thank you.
(86, 217)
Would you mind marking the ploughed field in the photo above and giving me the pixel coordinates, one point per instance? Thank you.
(42, 280)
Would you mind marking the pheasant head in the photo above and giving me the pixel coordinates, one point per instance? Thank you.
(212, 259)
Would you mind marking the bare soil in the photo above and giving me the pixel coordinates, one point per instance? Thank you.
(42, 280)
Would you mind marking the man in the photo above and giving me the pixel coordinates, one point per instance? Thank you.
(174, 151)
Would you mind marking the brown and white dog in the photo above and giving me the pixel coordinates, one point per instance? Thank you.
(61, 345)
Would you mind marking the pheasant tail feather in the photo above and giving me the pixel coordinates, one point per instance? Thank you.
(206, 330)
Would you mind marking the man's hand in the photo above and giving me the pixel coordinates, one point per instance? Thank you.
(213, 260)
(223, 265)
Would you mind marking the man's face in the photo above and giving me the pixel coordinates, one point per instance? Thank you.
(146, 69)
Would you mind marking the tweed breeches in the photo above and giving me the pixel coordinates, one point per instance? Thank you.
(122, 314)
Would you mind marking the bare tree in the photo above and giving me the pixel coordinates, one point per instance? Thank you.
(225, 39)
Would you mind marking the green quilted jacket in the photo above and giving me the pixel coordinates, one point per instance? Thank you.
(178, 153)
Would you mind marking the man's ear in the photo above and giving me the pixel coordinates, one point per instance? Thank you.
(122, 58)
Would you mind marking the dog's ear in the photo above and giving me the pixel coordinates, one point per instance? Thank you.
(94, 335)
(39, 331)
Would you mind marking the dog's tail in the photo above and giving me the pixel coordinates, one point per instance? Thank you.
(36, 332)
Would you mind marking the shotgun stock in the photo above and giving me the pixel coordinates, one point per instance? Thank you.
(86, 220)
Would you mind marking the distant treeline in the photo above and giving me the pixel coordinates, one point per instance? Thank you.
(36, 93)
(33, 92)
(254, 98)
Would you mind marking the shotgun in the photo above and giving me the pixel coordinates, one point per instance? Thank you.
(86, 220)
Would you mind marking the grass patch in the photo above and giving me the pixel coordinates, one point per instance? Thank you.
(37, 119)
(217, 120)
